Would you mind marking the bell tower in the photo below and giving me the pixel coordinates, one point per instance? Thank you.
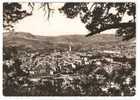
(70, 49)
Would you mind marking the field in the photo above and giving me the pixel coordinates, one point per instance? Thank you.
(74, 65)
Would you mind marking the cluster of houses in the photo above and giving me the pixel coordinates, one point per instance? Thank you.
(56, 62)
(50, 63)
(41, 64)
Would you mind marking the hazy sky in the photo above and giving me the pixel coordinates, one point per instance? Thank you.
(58, 24)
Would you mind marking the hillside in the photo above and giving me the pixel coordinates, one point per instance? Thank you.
(67, 73)
(34, 42)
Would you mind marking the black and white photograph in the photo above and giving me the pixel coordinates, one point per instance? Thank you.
(69, 49)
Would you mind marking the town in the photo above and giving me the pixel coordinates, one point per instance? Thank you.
(62, 68)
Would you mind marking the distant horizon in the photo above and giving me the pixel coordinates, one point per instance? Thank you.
(59, 34)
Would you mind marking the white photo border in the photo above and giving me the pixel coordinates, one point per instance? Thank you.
(136, 97)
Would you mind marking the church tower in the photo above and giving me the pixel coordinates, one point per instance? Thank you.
(70, 49)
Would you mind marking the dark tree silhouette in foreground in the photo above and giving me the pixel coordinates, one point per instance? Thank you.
(97, 17)
(12, 13)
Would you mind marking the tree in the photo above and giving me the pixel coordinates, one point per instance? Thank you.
(12, 13)
(97, 17)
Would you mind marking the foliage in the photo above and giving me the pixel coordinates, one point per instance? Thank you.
(99, 17)
(13, 75)
(13, 12)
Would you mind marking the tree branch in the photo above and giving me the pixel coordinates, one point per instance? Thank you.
(112, 26)
(49, 10)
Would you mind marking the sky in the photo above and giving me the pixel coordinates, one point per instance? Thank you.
(58, 23)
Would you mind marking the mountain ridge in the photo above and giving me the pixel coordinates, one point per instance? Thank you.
(35, 42)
